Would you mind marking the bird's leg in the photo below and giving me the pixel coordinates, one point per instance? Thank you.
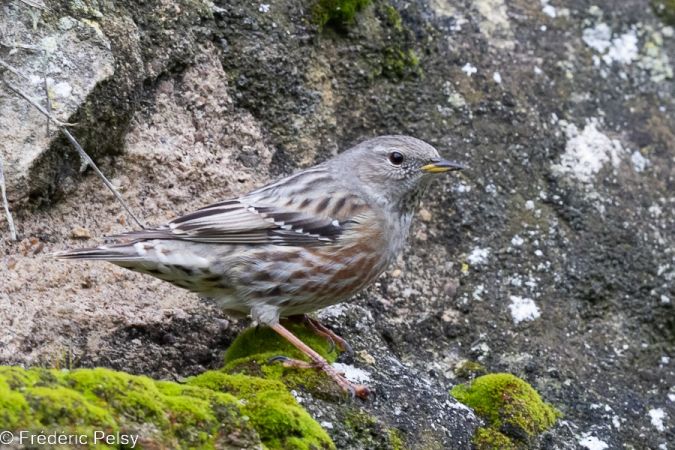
(319, 362)
(322, 330)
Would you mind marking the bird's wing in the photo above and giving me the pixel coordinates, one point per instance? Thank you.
(279, 214)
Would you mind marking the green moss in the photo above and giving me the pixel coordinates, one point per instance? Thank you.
(665, 9)
(13, 408)
(17, 377)
(164, 414)
(252, 352)
(393, 18)
(213, 410)
(62, 406)
(359, 420)
(395, 439)
(509, 405)
(371, 432)
(399, 63)
(134, 397)
(468, 369)
(394, 57)
(311, 380)
(264, 340)
(491, 439)
(271, 409)
(339, 14)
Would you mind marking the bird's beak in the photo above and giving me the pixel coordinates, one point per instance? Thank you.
(442, 166)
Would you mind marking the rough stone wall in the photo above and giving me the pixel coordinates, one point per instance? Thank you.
(551, 258)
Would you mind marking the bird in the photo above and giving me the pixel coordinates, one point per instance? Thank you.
(305, 242)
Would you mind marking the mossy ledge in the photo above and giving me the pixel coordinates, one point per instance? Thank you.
(513, 410)
(213, 410)
(244, 357)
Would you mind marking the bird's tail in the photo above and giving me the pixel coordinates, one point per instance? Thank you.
(112, 253)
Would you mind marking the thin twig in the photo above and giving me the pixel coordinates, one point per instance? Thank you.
(46, 86)
(5, 203)
(37, 105)
(93, 165)
(13, 70)
(32, 48)
(78, 147)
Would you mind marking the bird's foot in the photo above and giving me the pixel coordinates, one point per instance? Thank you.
(335, 341)
(319, 363)
(354, 389)
(320, 329)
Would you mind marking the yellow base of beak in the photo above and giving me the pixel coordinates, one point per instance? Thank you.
(433, 168)
(442, 166)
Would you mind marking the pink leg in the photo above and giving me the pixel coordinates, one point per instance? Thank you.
(321, 330)
(319, 362)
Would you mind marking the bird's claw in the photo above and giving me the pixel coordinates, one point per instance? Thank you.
(356, 390)
(278, 358)
(344, 347)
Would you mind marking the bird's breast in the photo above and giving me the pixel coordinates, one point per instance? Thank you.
(304, 279)
(362, 255)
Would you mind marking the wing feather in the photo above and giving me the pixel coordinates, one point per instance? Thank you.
(261, 218)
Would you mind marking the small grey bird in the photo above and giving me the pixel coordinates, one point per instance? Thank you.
(307, 241)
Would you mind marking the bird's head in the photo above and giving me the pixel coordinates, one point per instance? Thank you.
(393, 169)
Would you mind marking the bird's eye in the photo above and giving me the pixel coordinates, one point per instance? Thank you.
(396, 158)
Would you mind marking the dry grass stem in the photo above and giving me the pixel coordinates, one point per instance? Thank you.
(71, 139)
(5, 203)
(12, 69)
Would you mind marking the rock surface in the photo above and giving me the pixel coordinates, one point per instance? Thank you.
(552, 258)
(60, 60)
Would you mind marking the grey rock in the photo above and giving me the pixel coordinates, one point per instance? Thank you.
(60, 65)
(551, 258)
